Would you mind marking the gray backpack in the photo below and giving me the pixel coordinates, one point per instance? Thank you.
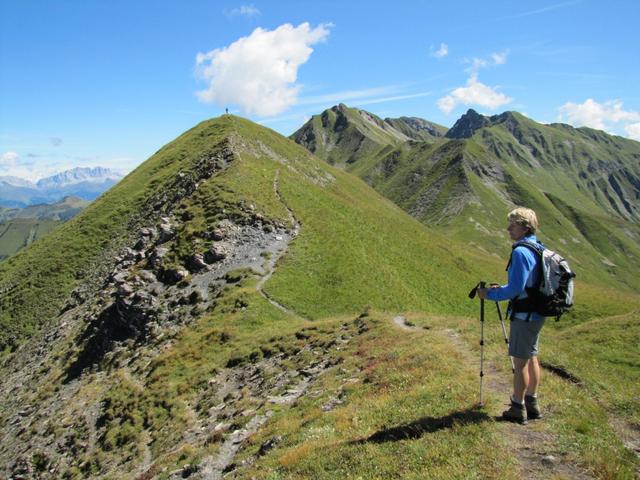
(553, 295)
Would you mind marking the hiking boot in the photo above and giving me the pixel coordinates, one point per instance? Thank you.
(516, 413)
(531, 404)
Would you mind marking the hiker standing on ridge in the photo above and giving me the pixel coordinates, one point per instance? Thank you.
(523, 272)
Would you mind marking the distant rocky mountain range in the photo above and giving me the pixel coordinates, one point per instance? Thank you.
(83, 182)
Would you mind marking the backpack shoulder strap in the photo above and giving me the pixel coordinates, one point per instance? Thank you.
(536, 248)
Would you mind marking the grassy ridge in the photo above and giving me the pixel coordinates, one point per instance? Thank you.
(35, 282)
(346, 256)
(354, 249)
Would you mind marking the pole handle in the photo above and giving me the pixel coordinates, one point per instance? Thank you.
(474, 290)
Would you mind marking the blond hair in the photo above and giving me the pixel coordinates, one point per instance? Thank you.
(524, 217)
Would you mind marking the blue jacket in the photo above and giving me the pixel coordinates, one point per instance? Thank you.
(523, 272)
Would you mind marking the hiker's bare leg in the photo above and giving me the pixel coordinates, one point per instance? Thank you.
(520, 378)
(534, 376)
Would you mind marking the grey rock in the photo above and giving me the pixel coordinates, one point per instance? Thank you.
(269, 444)
(155, 259)
(218, 234)
(120, 278)
(147, 276)
(148, 232)
(125, 289)
(166, 233)
(215, 254)
(175, 275)
(141, 244)
(130, 254)
(144, 298)
(196, 263)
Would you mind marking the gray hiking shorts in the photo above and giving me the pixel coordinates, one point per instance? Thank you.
(523, 338)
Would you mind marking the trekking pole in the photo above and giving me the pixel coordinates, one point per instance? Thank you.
(506, 339)
(472, 294)
(481, 343)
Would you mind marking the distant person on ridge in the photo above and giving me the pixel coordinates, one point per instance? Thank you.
(523, 272)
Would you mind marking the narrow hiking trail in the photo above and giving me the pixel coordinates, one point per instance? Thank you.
(271, 263)
(533, 445)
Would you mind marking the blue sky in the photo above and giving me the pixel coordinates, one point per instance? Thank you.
(87, 82)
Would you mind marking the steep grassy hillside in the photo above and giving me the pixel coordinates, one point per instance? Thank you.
(347, 221)
(35, 283)
(228, 308)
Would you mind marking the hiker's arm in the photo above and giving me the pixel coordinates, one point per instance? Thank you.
(521, 266)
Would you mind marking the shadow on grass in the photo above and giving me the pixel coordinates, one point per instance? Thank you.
(426, 425)
(562, 373)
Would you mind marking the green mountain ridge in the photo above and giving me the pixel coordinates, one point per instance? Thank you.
(341, 134)
(141, 266)
(463, 183)
(238, 307)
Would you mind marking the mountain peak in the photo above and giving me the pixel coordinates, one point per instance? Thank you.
(472, 121)
(467, 124)
(77, 175)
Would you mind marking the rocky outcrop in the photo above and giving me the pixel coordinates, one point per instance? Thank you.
(149, 294)
(467, 125)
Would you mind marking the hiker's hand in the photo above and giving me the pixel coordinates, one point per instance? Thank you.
(494, 285)
(482, 293)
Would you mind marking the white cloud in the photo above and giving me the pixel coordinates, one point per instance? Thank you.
(244, 10)
(477, 64)
(9, 159)
(443, 51)
(475, 93)
(596, 115)
(497, 58)
(633, 130)
(13, 165)
(259, 72)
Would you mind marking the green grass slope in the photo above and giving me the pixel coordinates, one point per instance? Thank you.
(583, 183)
(390, 403)
(19, 233)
